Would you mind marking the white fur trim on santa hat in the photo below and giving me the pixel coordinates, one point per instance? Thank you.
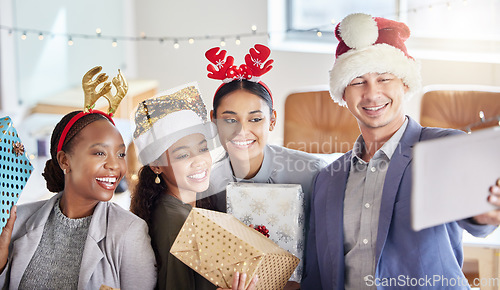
(358, 30)
(378, 58)
(166, 131)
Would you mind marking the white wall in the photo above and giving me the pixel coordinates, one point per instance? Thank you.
(50, 66)
(8, 89)
(173, 67)
(292, 71)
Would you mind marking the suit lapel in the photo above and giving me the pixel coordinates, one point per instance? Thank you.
(92, 253)
(399, 161)
(335, 218)
(24, 248)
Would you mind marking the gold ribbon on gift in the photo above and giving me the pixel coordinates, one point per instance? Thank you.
(104, 287)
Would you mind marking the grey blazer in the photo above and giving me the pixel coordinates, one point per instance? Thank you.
(117, 251)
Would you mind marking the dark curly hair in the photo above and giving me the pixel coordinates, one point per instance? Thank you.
(146, 194)
(52, 172)
(252, 87)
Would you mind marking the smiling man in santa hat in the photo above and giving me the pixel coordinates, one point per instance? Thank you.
(360, 234)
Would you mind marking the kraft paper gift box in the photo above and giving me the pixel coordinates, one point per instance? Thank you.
(105, 287)
(279, 207)
(15, 168)
(216, 245)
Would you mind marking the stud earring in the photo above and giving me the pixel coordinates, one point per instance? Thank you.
(157, 179)
(64, 171)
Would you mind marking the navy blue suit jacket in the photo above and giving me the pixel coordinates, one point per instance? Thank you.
(401, 253)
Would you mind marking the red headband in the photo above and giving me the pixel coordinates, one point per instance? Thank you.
(252, 71)
(73, 121)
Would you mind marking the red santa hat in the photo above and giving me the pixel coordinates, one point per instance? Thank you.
(372, 45)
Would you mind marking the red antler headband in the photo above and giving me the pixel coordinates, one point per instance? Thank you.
(91, 96)
(222, 68)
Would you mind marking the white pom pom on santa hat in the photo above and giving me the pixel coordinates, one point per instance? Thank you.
(358, 30)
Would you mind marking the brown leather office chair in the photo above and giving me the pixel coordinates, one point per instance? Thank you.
(459, 107)
(315, 124)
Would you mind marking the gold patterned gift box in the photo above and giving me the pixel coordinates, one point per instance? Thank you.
(216, 245)
(15, 168)
(279, 207)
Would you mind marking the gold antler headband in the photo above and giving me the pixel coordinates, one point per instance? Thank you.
(91, 96)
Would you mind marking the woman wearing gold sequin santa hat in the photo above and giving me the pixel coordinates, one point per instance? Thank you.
(77, 239)
(171, 137)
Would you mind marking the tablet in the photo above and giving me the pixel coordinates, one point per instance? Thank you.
(452, 177)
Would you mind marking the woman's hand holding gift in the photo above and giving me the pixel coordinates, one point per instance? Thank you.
(5, 238)
(239, 282)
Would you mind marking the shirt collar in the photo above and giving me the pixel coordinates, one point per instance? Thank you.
(388, 148)
(357, 150)
(265, 171)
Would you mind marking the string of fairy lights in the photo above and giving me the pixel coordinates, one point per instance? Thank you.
(114, 39)
(176, 41)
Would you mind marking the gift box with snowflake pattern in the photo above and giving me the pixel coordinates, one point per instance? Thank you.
(278, 207)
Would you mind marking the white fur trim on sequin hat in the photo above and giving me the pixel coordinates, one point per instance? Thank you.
(168, 130)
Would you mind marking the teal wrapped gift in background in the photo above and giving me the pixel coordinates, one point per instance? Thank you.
(15, 168)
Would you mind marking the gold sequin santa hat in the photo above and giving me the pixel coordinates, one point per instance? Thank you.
(161, 121)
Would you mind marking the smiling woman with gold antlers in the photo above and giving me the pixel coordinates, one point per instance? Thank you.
(77, 239)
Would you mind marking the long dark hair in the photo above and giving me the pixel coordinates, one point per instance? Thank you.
(145, 198)
(252, 87)
(146, 194)
(52, 172)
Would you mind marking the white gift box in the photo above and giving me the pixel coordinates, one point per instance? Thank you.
(279, 207)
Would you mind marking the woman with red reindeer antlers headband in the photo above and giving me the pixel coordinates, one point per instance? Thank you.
(244, 115)
(77, 239)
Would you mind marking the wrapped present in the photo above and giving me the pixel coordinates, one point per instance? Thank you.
(15, 168)
(278, 207)
(216, 245)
